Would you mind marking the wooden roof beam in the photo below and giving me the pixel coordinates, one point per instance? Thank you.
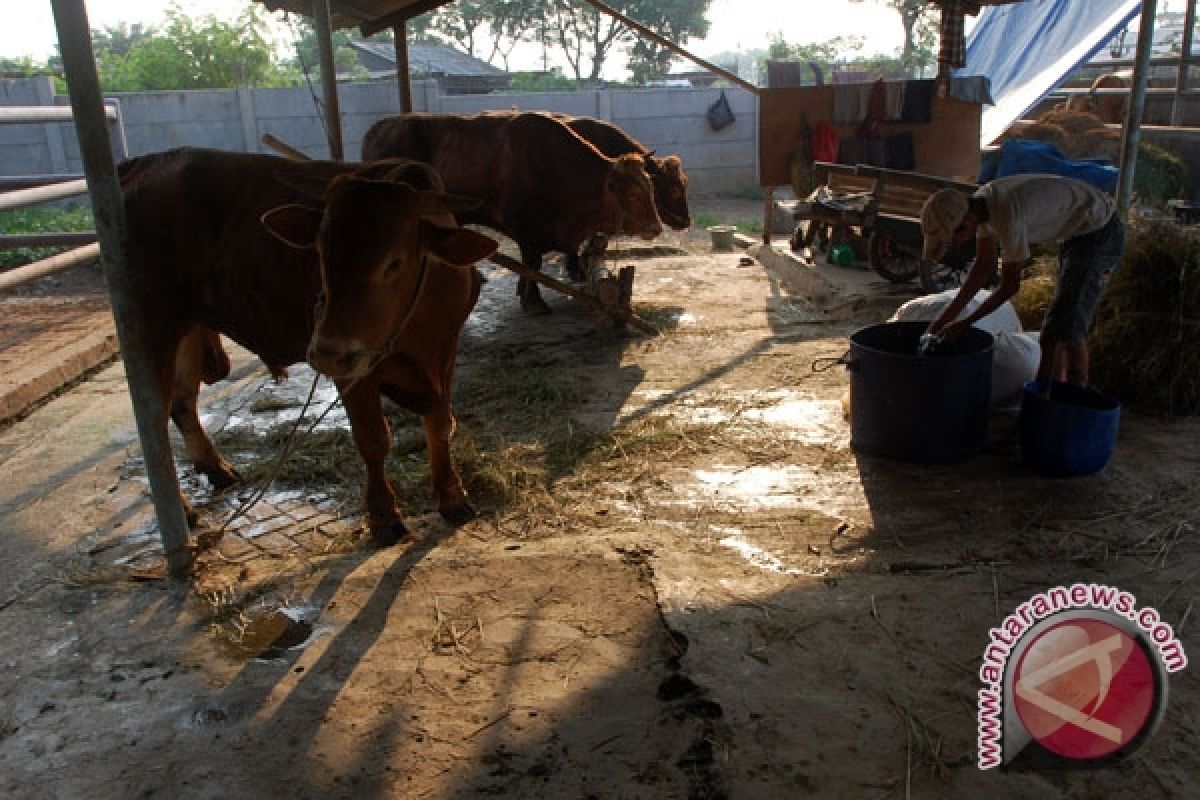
(372, 27)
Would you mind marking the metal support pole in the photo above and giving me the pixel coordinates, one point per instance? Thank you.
(333, 114)
(400, 35)
(1181, 75)
(79, 65)
(1137, 100)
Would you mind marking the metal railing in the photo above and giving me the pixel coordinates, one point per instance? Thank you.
(21, 191)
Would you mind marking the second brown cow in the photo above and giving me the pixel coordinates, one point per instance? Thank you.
(541, 184)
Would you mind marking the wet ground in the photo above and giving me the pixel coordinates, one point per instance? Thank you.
(683, 582)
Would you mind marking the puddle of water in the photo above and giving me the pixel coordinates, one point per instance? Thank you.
(269, 633)
(764, 559)
(754, 487)
(55, 649)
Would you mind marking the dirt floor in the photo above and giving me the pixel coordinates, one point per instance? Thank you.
(683, 582)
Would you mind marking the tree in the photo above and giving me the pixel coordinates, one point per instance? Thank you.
(826, 55)
(920, 20)
(676, 20)
(189, 53)
(586, 37)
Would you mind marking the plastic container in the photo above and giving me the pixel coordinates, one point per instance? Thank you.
(842, 255)
(1067, 430)
(722, 237)
(918, 407)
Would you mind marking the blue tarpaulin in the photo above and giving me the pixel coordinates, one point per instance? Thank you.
(1020, 156)
(1026, 49)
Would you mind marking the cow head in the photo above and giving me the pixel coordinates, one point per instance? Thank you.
(375, 240)
(628, 187)
(670, 190)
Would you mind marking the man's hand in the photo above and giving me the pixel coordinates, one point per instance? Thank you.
(951, 331)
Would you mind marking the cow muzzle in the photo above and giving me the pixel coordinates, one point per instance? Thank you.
(346, 360)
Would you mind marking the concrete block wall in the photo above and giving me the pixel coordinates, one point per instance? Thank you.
(671, 121)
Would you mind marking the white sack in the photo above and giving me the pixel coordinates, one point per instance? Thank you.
(1015, 354)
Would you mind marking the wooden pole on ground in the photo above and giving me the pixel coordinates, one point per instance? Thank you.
(619, 314)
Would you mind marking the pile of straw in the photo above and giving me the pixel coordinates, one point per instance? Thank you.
(1161, 176)
(1145, 339)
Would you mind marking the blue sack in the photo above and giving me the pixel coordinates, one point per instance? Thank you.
(1022, 156)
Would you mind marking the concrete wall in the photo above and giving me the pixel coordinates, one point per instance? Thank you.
(671, 121)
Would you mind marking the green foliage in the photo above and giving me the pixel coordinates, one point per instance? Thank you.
(188, 53)
(24, 67)
(41, 220)
(552, 81)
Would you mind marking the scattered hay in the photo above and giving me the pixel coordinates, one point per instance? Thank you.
(1145, 343)
(1041, 132)
(1073, 122)
(1161, 176)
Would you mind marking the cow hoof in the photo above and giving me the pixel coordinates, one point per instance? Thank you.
(222, 479)
(535, 306)
(387, 534)
(458, 515)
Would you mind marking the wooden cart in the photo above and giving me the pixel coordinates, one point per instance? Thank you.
(884, 205)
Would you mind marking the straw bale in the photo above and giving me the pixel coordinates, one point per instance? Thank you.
(1145, 341)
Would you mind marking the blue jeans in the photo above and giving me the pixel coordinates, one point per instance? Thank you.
(1085, 263)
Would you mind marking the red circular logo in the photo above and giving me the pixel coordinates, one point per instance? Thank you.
(1084, 689)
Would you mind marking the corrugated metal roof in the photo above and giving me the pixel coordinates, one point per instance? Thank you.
(433, 59)
(376, 15)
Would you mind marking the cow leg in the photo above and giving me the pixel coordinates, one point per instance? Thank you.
(162, 358)
(452, 501)
(199, 357)
(373, 438)
(527, 290)
(579, 267)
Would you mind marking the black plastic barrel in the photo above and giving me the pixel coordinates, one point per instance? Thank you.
(912, 407)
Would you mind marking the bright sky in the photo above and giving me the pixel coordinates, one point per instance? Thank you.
(28, 28)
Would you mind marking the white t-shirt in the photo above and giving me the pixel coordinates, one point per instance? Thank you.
(1034, 208)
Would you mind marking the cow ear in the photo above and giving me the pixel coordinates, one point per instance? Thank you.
(458, 246)
(294, 225)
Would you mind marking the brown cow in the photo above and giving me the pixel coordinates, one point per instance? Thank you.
(666, 174)
(371, 282)
(542, 185)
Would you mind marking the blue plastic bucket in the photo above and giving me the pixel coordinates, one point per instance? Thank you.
(918, 407)
(1067, 430)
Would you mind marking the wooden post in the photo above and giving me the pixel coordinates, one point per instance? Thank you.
(87, 105)
(403, 81)
(333, 114)
(1185, 52)
(1137, 99)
